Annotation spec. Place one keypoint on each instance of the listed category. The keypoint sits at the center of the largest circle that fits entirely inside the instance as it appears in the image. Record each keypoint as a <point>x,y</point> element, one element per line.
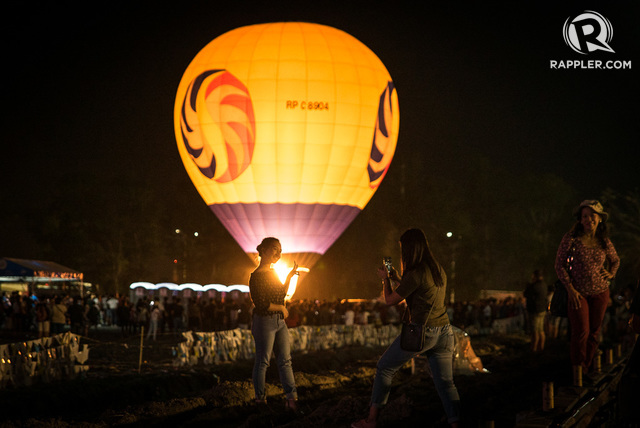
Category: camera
<point>388,264</point>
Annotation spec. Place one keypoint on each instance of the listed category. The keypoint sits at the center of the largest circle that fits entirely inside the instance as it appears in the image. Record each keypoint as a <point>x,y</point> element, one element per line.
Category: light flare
<point>282,270</point>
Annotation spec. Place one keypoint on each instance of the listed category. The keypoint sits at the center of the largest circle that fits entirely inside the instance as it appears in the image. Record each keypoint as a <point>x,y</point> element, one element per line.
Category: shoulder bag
<point>412,334</point>
<point>560,299</point>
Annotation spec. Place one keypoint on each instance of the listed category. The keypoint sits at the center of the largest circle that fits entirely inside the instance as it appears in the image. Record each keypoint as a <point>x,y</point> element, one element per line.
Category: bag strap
<point>572,249</point>
<point>433,304</point>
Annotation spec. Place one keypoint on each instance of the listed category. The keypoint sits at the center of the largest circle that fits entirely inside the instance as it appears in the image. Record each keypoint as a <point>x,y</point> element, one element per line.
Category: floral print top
<point>265,288</point>
<point>586,266</point>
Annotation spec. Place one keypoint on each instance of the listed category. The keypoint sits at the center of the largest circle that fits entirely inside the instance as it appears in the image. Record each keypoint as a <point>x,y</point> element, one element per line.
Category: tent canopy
<point>35,271</point>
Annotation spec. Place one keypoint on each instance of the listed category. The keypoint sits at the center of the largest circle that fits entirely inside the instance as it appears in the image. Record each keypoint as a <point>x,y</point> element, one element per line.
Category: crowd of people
<point>52,315</point>
<point>47,315</point>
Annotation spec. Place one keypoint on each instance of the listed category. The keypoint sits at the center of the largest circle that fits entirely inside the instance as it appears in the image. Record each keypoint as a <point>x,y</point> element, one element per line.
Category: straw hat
<point>595,205</point>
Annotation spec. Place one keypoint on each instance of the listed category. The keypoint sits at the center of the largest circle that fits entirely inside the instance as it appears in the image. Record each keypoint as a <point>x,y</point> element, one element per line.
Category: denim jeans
<point>271,334</point>
<point>439,343</point>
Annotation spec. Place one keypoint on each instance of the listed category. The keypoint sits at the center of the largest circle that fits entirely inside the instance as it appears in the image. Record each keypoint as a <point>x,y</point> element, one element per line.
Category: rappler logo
<point>588,32</point>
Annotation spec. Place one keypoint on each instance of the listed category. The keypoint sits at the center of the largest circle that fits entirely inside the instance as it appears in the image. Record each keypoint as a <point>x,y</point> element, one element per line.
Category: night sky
<point>90,92</point>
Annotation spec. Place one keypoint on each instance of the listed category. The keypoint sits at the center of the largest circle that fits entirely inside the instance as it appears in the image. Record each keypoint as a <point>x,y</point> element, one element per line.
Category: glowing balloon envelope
<point>286,130</point>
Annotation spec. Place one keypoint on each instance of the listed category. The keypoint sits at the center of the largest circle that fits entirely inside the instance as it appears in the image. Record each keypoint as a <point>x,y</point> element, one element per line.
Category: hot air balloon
<point>286,129</point>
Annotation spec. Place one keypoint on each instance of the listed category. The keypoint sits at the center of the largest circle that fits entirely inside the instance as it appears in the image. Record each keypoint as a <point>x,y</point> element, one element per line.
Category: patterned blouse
<point>587,265</point>
<point>265,288</point>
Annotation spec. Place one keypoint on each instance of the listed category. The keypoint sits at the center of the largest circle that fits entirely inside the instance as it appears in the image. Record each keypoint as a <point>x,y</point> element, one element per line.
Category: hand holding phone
<point>388,265</point>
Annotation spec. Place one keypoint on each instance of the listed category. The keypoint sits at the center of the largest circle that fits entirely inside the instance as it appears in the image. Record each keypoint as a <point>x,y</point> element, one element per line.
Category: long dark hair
<point>416,254</point>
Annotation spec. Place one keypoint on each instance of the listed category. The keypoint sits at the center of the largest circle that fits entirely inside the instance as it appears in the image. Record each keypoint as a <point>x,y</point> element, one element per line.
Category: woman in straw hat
<point>585,263</point>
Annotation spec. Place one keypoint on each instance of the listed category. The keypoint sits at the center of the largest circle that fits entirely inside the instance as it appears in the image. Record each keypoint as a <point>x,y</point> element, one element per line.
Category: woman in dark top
<point>423,287</point>
<point>268,328</point>
<point>536,293</point>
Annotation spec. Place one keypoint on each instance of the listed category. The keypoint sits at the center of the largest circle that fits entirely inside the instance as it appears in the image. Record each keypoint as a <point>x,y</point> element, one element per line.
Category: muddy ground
<point>334,388</point>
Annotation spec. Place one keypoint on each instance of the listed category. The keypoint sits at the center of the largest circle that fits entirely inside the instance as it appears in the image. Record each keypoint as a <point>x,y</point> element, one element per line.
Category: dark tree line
<point>120,230</point>
<point>624,208</point>
<point>503,226</point>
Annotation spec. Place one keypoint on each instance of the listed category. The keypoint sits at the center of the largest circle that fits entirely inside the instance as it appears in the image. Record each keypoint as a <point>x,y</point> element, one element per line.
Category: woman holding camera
<point>422,285</point>
<point>269,328</point>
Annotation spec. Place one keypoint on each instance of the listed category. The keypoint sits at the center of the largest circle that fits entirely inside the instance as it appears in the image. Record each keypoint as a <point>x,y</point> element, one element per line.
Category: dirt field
<point>334,388</point>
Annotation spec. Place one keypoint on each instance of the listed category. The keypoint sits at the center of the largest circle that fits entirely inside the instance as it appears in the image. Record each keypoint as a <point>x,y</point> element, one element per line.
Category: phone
<point>388,264</point>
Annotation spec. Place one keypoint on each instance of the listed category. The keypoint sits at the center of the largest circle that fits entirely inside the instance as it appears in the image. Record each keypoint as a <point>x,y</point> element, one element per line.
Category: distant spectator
<point>112,311</point>
<point>208,313</point>
<point>93,315</point>
<point>154,319</point>
<point>294,317</point>
<point>362,316</point>
<point>244,315</point>
<point>77,316</point>
<point>536,295</point>
<point>133,318</point>
<point>58,316</point>
<point>144,314</point>
<point>17,312</point>
<point>232,314</point>
<point>178,314</point>
<point>3,309</point>
<point>43,318</point>
<point>219,318</point>
<point>349,315</point>
<point>393,315</point>
<point>124,314</point>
